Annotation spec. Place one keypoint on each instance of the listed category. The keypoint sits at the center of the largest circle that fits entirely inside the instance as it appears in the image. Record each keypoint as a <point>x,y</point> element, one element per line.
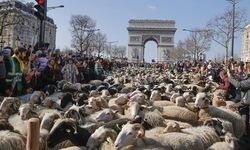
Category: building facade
<point>245,51</point>
<point>25,31</point>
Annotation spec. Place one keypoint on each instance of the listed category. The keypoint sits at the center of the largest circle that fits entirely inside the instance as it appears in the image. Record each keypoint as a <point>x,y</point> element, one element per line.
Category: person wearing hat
<point>15,68</point>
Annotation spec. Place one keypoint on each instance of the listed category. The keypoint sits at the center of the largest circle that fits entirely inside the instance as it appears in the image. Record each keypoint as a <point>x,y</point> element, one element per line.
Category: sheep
<point>69,87</point>
<point>45,127</point>
<point>180,114</point>
<point>49,89</point>
<point>12,141</point>
<point>181,101</point>
<point>207,111</point>
<point>75,148</point>
<point>9,106</point>
<point>163,103</point>
<point>174,96</point>
<point>155,96</point>
<point>229,144</point>
<point>26,112</point>
<point>75,112</point>
<point>99,137</point>
<point>134,135</point>
<point>68,129</point>
<point>5,125</point>
<point>122,99</point>
<point>97,103</point>
<point>18,123</point>
<point>36,97</point>
<point>140,98</point>
<point>220,123</point>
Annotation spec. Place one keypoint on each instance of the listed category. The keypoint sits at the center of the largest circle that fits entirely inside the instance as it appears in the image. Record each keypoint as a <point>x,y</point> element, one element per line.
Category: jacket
<point>244,86</point>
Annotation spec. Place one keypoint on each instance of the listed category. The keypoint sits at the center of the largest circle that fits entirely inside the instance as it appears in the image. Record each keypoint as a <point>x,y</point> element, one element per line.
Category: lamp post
<point>110,46</point>
<point>233,2</point>
<point>195,39</point>
<point>54,7</point>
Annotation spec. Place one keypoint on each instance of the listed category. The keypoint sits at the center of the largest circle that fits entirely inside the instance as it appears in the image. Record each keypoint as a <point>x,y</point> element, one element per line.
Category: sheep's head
<point>26,112</point>
<point>99,136</point>
<point>121,99</point>
<point>75,112</point>
<point>88,109</point>
<point>140,98</point>
<point>62,130</point>
<point>202,100</point>
<point>9,106</point>
<point>94,103</point>
<point>172,127</point>
<point>48,103</point>
<point>128,135</point>
<point>94,93</point>
<point>105,115</point>
<point>48,120</point>
<point>215,123</point>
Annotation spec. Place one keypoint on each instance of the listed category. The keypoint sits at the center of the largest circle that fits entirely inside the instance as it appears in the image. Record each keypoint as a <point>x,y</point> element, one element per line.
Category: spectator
<point>42,60</point>
<point>224,86</point>
<point>51,74</point>
<point>15,69</point>
<point>33,76</point>
<point>244,103</point>
<point>99,69</point>
<point>70,71</point>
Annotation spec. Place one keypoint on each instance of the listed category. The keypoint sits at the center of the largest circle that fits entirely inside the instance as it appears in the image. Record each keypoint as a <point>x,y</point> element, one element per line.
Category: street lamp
<point>233,2</point>
<point>110,46</point>
<point>54,7</point>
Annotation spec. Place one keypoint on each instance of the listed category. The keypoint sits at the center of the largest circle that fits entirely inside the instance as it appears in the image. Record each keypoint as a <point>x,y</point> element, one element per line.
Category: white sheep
<point>12,141</point>
<point>134,135</point>
<point>163,103</point>
<point>229,144</point>
<point>179,114</point>
<point>155,95</point>
<point>207,111</point>
<point>174,96</point>
<point>75,148</point>
<point>100,136</point>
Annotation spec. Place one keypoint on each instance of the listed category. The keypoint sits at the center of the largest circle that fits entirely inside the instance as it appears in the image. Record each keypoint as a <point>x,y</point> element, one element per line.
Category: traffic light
<point>41,9</point>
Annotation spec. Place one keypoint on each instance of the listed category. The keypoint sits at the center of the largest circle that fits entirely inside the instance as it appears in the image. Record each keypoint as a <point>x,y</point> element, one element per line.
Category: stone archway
<point>142,31</point>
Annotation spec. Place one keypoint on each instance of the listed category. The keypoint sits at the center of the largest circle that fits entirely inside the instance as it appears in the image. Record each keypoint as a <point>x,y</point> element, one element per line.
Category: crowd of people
<point>23,71</point>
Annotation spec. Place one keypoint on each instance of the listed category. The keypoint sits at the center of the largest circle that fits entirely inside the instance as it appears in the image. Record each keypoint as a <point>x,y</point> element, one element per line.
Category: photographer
<point>244,103</point>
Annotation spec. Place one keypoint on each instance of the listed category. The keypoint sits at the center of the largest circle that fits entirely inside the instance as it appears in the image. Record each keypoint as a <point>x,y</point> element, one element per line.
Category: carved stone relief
<point>135,39</point>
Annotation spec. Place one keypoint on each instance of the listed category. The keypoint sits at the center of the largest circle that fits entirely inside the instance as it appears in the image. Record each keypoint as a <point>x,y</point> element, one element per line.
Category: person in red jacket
<point>225,85</point>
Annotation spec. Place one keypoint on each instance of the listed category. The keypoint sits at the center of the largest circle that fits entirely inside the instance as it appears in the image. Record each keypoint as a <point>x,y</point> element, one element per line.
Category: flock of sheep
<point>135,108</point>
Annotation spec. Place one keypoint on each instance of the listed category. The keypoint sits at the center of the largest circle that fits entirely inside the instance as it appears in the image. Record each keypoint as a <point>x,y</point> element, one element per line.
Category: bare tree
<point>82,29</point>
<point>198,42</point>
<point>9,16</point>
<point>118,51</point>
<point>99,40</point>
<point>179,52</point>
<point>222,25</point>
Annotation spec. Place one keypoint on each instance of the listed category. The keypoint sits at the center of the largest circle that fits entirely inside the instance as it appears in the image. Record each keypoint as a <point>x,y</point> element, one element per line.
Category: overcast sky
<point>112,18</point>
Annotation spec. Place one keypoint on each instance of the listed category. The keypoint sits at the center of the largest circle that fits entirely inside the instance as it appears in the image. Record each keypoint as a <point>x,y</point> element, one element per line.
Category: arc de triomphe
<point>142,31</point>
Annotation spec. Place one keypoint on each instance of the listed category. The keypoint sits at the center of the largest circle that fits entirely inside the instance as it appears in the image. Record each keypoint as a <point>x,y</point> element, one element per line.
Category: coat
<point>244,86</point>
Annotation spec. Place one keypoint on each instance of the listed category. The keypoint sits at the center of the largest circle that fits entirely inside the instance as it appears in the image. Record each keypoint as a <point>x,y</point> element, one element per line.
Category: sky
<point>112,18</point>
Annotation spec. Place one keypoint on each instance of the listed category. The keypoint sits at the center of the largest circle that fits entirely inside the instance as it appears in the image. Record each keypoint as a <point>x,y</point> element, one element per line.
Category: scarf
<point>20,62</point>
